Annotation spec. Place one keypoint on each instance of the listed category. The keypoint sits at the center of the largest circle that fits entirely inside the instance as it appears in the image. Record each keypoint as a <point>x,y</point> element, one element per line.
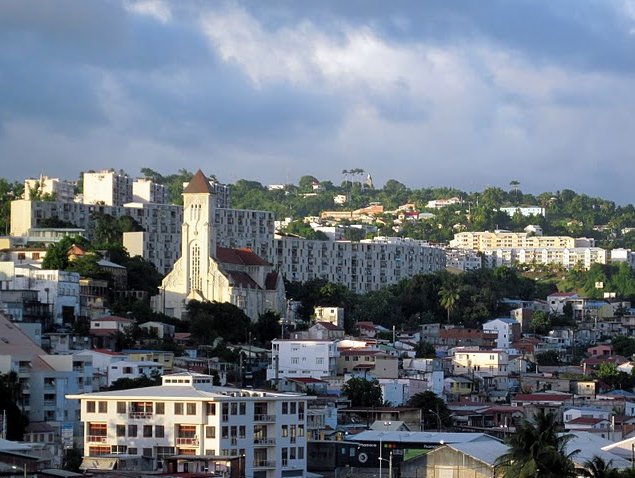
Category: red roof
<point>360,352</point>
<point>328,325</point>
<point>102,332</point>
<point>243,256</point>
<point>107,352</point>
<point>585,421</point>
<point>305,380</point>
<point>243,279</point>
<point>271,282</point>
<point>465,333</point>
<point>198,184</point>
<point>542,397</point>
<point>112,318</point>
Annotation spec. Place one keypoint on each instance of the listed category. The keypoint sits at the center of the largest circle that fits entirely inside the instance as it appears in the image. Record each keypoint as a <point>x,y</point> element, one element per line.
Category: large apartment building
<point>107,187</point>
<point>201,424</point>
<point>59,189</point>
<point>361,266</point>
<point>484,240</point>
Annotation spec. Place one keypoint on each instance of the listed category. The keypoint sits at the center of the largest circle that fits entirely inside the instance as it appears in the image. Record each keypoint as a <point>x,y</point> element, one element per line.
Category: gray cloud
<point>464,94</point>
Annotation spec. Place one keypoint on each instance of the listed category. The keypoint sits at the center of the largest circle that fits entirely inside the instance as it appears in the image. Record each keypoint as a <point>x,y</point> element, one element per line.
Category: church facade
<point>208,272</point>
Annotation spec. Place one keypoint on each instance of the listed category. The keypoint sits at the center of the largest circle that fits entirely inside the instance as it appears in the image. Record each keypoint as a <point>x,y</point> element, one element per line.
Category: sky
<point>465,94</point>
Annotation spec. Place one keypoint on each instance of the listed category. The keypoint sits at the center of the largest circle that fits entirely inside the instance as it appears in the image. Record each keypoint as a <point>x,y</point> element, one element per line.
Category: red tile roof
<point>271,282</point>
<point>198,184</point>
<point>328,325</point>
<point>585,421</point>
<point>242,279</point>
<point>465,333</point>
<point>112,318</point>
<point>305,380</point>
<point>243,256</point>
<point>542,397</point>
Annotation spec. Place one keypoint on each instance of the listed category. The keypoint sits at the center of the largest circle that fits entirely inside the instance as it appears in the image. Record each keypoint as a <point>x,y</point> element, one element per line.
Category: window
<point>210,432</point>
<point>292,409</point>
<point>132,431</point>
<point>292,453</point>
<point>319,360</point>
<point>159,431</point>
<point>191,408</point>
<point>285,430</point>
<point>178,408</point>
<point>211,408</point>
<point>224,432</point>
<point>242,408</point>
<point>234,408</point>
<point>300,430</point>
<point>285,408</point>
<point>242,431</point>
<point>132,451</point>
<point>90,406</point>
<point>159,408</point>
<point>300,453</point>
<point>121,430</point>
<point>147,431</point>
<point>294,360</point>
<point>121,407</point>
<point>103,407</point>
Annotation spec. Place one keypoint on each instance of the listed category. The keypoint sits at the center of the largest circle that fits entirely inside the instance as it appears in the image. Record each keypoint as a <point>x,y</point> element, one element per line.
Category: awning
<point>97,463</point>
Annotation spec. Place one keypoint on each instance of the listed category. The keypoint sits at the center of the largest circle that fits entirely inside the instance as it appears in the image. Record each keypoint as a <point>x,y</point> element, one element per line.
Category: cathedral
<point>207,272</point>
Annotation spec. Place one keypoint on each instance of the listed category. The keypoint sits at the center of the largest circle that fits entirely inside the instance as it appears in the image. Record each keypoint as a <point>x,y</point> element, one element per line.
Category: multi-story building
<point>463,259</point>
<point>501,239</point>
<point>565,257</point>
<point>44,379</point>
<point>525,211</point>
<point>145,190</point>
<point>303,358</point>
<point>188,416</point>
<point>107,187</point>
<point>367,363</point>
<point>361,266</point>
<point>57,189</point>
<point>333,315</point>
<point>508,330</point>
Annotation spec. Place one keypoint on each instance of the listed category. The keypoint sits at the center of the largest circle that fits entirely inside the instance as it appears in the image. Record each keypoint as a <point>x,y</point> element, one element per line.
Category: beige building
<point>107,187</point>
<point>208,272</point>
<point>482,241</point>
<point>62,191</point>
<point>367,363</point>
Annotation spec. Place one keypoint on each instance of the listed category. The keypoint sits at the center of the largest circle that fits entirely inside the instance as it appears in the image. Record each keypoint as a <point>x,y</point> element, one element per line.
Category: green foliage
<point>425,350</point>
<point>548,358</point>
<point>613,377</point>
<point>540,323</point>
<point>72,460</point>
<point>8,192</point>
<point>10,401</point>
<point>139,382</point>
<point>537,451</point>
<point>267,327</point>
<point>623,345</point>
<point>210,320</point>
<point>362,392</point>
<point>434,412</point>
<point>57,253</point>
<point>302,229</point>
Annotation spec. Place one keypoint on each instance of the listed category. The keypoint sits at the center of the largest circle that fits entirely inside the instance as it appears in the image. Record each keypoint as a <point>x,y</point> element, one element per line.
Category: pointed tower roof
<point>198,184</point>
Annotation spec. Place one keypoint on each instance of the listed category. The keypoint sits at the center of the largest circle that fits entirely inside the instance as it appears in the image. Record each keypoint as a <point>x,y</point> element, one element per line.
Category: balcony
<point>193,441</point>
<point>264,464</point>
<point>265,441</point>
<point>264,418</point>
<point>139,415</point>
<point>96,439</point>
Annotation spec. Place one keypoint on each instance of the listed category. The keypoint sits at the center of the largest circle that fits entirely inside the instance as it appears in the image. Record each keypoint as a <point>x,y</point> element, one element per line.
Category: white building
<point>508,330</point>
<point>623,255</point>
<point>44,378</point>
<point>107,187</point>
<point>361,266</point>
<point>132,369</point>
<point>59,290</point>
<point>525,211</point>
<point>502,239</point>
<point>463,259</point>
<point>145,191</point>
<point>303,358</point>
<point>207,271</point>
<point>333,315</point>
<point>439,203</point>
<point>62,191</point>
<point>187,415</point>
<point>565,257</point>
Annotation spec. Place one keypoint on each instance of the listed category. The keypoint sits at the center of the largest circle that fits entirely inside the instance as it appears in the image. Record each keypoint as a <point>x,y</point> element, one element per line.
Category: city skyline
<point>461,95</point>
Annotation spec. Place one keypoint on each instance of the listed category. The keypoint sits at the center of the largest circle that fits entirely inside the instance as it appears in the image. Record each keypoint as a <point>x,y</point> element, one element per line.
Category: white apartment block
<point>144,191</point>
<point>566,257</point>
<point>525,211</point>
<point>63,191</point>
<point>507,329</point>
<point>44,379</point>
<point>623,255</point>
<point>107,187</point>
<point>59,290</point>
<point>303,358</point>
<point>361,266</point>
<point>188,416</point>
<point>132,369</point>
<point>245,228</point>
<point>489,366</point>
<point>332,315</point>
<point>484,240</point>
<point>463,259</point>
<point>439,203</point>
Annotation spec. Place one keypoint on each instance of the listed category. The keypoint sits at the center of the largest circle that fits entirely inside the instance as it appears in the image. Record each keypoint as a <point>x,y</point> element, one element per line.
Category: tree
<point>11,401</point>
<point>362,392</point>
<point>448,300</point>
<point>425,349</point>
<point>210,320</point>
<point>266,328</point>
<point>434,411</point>
<point>540,322</point>
<point>548,358</point>
<point>538,451</point>
<point>596,467</point>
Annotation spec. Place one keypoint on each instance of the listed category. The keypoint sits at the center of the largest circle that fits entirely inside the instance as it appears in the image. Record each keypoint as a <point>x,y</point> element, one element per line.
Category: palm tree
<point>538,451</point>
<point>514,184</point>
<point>448,300</point>
<point>598,468</point>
